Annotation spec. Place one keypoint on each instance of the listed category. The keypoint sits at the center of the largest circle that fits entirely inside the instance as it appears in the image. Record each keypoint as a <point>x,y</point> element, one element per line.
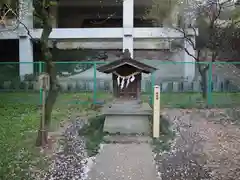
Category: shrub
<point>69,87</point>
<point>30,77</point>
<point>78,86</point>
<point>14,85</point>
<point>6,84</point>
<point>106,86</point>
<point>22,85</point>
<point>30,85</point>
<point>93,132</point>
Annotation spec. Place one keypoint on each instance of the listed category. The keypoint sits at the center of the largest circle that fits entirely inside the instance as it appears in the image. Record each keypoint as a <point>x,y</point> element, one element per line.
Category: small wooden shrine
<point>126,114</point>
<point>126,76</point>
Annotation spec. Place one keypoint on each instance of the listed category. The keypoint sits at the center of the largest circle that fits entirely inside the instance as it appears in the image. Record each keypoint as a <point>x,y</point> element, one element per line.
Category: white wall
<point>189,60</point>
<point>25,44</point>
<point>25,57</point>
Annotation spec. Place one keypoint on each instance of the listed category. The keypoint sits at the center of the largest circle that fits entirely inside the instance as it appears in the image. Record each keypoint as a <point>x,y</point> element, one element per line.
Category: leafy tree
<point>42,12</point>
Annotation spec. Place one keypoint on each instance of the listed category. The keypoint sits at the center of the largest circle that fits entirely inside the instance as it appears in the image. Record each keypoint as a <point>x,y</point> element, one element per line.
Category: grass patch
<point>195,100</point>
<point>19,118</point>
<point>19,122</point>
<point>93,132</point>
<point>163,143</point>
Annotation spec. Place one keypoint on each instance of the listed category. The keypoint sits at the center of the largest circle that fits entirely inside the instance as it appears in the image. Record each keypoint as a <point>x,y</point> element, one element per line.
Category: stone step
<point>129,112</point>
<point>126,139</point>
<point>127,124</point>
<point>124,106</point>
<point>124,109</point>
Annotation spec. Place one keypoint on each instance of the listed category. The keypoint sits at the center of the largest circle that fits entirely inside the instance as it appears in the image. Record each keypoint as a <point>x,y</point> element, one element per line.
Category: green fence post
<point>153,84</point>
<point>209,94</point>
<point>95,84</point>
<point>40,69</point>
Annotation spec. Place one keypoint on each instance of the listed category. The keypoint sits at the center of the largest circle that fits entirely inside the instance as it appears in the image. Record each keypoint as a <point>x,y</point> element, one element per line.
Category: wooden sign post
<point>156,112</point>
<point>44,85</point>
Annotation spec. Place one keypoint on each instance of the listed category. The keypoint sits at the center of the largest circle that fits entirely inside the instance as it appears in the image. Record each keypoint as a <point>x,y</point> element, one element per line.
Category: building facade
<point>106,26</point>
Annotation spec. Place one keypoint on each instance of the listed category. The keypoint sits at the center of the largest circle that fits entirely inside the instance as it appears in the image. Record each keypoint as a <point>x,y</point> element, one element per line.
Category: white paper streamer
<point>122,83</point>
<point>132,78</point>
<point>118,80</point>
<point>121,79</point>
<point>128,81</point>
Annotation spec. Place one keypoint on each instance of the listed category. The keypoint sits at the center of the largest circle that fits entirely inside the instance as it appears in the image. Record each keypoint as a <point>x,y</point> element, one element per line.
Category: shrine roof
<point>126,60</point>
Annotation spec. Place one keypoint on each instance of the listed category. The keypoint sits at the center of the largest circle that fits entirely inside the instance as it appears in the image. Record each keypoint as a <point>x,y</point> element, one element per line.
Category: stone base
<point>126,139</point>
<point>127,124</point>
<point>127,108</point>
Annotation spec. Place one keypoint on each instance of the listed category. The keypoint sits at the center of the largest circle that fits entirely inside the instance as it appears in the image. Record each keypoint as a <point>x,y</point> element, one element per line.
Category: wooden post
<point>44,84</point>
<point>156,112</point>
<point>43,109</point>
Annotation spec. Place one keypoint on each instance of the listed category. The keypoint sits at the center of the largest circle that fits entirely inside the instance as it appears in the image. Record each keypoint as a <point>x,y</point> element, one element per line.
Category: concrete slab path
<point>124,162</point>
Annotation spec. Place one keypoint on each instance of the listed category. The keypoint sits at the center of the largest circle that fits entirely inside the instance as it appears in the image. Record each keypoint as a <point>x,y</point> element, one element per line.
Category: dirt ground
<point>207,146</point>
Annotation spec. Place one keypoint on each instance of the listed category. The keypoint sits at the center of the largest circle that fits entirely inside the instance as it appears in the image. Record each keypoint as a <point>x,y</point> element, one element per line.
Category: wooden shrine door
<point>129,92</point>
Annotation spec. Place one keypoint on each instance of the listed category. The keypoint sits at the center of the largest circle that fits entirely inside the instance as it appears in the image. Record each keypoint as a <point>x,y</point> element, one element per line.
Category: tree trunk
<point>42,138</point>
<point>43,11</point>
<point>204,80</point>
<point>204,85</point>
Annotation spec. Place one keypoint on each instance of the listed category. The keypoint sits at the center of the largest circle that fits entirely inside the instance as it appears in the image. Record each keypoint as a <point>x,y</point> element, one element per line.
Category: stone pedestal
<point>127,124</point>
<point>127,117</point>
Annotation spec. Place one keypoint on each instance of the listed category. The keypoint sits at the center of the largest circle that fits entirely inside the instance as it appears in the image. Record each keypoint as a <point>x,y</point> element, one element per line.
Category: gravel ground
<point>182,162</point>
<point>203,149</point>
<point>70,161</point>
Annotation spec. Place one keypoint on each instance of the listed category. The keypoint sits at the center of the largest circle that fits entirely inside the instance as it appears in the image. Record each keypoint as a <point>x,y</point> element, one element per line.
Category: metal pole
<point>40,89</point>
<point>209,94</point>
<point>95,84</point>
<point>153,84</point>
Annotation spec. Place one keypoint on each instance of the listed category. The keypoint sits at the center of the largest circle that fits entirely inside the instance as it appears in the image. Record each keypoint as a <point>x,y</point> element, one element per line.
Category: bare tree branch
<point>17,19</point>
<point>214,37</point>
<point>4,18</point>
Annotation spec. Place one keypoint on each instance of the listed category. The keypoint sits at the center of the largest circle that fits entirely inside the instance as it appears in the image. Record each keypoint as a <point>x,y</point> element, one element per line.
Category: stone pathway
<point>131,159</point>
<point>128,161</point>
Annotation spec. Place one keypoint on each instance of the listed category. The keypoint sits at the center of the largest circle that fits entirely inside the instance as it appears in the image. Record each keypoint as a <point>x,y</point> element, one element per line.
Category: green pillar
<point>153,84</point>
<point>95,84</point>
<point>209,93</point>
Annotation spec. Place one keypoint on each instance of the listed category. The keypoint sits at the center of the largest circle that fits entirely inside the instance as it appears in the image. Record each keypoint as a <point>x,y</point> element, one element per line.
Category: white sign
<point>44,81</point>
<point>156,112</point>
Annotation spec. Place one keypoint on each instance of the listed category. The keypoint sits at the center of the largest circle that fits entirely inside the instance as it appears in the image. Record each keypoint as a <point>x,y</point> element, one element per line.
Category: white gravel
<point>71,161</point>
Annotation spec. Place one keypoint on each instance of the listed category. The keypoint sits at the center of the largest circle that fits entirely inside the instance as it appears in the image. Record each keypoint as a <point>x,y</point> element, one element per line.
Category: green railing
<point>85,85</point>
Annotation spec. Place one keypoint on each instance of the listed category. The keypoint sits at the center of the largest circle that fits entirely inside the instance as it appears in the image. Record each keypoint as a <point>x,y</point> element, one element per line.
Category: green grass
<point>195,100</point>
<point>93,133</point>
<point>163,143</point>
<point>19,118</point>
